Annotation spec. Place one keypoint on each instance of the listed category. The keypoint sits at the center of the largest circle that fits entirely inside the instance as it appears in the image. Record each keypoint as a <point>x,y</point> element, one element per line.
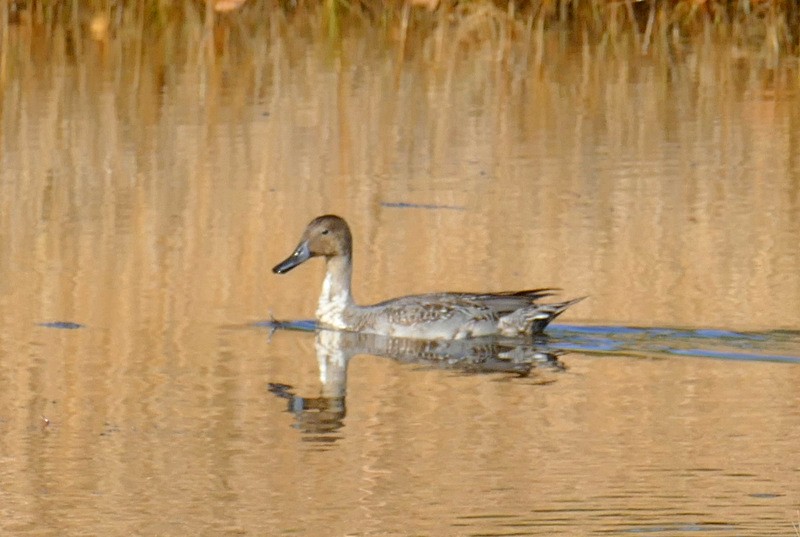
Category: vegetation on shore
<point>760,36</point>
<point>770,27</point>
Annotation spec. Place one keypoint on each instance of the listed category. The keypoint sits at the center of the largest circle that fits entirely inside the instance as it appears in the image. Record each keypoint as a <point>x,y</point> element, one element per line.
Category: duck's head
<point>326,236</point>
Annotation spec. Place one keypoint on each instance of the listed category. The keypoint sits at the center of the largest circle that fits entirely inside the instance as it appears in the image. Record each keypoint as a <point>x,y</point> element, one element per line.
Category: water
<point>143,390</point>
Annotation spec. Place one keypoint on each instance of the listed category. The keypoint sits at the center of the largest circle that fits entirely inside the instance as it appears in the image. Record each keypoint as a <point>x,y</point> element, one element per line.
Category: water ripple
<point>772,346</point>
<point>781,346</point>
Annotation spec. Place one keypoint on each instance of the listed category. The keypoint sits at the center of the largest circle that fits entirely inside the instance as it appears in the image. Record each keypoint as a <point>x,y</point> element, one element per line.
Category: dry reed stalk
<point>796,527</point>
<point>764,33</point>
<point>4,8</point>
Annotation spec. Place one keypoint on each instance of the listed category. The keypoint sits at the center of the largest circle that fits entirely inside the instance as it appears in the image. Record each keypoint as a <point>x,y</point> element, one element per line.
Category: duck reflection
<point>321,417</point>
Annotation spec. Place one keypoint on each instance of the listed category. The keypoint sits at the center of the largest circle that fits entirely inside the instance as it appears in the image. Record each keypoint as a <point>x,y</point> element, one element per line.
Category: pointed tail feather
<point>533,320</point>
<point>548,312</point>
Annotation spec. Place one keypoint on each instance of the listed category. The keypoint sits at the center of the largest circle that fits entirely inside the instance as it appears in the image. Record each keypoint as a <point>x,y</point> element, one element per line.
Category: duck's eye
<point>325,231</point>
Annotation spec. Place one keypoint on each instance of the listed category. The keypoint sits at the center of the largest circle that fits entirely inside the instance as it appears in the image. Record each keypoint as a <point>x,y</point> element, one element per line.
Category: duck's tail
<point>533,320</point>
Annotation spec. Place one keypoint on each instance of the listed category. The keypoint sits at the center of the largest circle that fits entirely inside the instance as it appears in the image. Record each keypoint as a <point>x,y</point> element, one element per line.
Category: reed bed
<point>731,43</point>
<point>763,31</point>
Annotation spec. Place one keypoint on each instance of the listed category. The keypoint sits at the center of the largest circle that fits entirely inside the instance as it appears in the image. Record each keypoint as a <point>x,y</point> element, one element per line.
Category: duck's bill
<point>300,254</point>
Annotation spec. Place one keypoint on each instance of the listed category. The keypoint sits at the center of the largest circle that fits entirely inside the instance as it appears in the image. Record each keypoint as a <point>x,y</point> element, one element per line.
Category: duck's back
<point>442,315</point>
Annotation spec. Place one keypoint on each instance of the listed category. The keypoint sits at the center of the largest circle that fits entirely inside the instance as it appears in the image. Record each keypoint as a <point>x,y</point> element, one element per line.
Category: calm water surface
<point>142,391</point>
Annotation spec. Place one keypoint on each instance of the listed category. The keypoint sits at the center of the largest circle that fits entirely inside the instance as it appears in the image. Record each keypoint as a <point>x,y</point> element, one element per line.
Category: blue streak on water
<point>738,356</point>
<point>699,527</point>
<point>61,325</point>
<point>783,346</point>
<point>652,332</point>
<point>406,205</point>
<point>302,325</point>
<point>778,346</point>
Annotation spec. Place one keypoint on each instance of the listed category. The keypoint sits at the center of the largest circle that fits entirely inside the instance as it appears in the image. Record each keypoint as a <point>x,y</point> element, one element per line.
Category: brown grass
<point>758,26</point>
<point>759,35</point>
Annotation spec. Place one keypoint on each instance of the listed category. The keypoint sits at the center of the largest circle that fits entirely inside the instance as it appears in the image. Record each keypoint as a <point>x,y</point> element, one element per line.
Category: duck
<point>430,316</point>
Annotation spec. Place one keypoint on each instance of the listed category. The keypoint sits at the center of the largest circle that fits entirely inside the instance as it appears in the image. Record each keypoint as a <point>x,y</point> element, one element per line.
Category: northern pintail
<point>430,316</point>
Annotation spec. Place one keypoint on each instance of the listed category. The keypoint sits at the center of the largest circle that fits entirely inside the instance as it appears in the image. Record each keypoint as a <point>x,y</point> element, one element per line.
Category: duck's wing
<point>501,303</point>
<point>430,307</point>
<point>419,310</point>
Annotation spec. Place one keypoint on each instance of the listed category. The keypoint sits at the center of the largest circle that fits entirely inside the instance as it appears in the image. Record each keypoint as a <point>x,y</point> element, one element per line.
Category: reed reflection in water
<point>146,203</point>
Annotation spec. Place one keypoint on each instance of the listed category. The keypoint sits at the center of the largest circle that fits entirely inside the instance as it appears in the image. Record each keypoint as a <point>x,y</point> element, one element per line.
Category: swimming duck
<point>430,316</point>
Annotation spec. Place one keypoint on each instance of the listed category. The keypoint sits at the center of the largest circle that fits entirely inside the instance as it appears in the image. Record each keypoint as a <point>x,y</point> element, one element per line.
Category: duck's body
<point>430,316</point>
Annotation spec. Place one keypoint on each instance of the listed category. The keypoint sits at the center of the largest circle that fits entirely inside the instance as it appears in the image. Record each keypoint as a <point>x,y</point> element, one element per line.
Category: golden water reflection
<point>666,206</point>
<point>148,205</point>
<point>194,442</point>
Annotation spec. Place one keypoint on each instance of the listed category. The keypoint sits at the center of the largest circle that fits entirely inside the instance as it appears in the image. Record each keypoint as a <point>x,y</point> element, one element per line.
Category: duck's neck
<point>336,296</point>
